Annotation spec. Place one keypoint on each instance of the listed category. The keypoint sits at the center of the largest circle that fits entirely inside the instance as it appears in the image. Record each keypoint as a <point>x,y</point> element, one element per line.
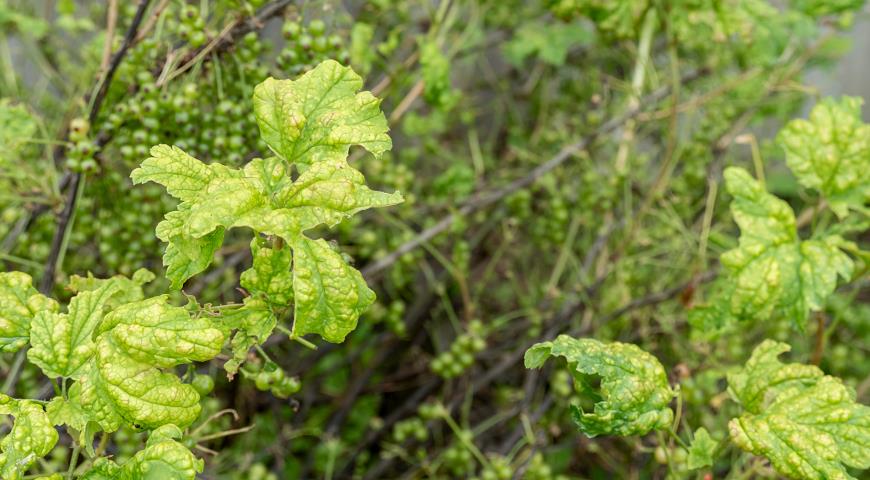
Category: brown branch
<point>48,278</point>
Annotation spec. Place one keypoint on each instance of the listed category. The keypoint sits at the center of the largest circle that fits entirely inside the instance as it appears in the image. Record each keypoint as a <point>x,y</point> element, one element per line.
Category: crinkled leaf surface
<point>330,294</point>
<point>32,437</point>
<point>270,274</point>
<point>830,152</point>
<point>261,196</point>
<point>19,303</point>
<point>123,381</point>
<point>253,323</point>
<point>319,115</point>
<point>806,423</point>
<point>772,271</point>
<point>129,289</point>
<point>163,458</point>
<point>61,342</point>
<point>634,388</point>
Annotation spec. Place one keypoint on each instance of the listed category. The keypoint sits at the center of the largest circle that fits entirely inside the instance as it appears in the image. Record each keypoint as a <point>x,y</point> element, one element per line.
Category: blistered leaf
<point>183,176</point>
<point>634,388</point>
<point>163,458</point>
<point>319,115</point>
<point>330,294</point>
<point>771,271</point>
<point>19,302</point>
<point>125,383</point>
<point>61,342</point>
<point>270,274</point>
<point>129,289</point>
<point>702,450</point>
<point>152,331</point>
<point>261,197</point>
<point>32,437</point>
<point>830,152</point>
<point>806,423</point>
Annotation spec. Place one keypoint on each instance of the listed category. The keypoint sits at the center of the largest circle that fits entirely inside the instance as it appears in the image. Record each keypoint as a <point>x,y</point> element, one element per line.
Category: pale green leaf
<point>702,450</point>
<point>319,115</point>
<point>183,176</point>
<point>830,152</point>
<point>163,458</point>
<point>771,272</point>
<point>270,274</point>
<point>330,294</point>
<point>61,342</point>
<point>32,437</point>
<point>19,303</point>
<point>130,289</point>
<point>125,383</point>
<point>634,391</point>
<point>806,423</point>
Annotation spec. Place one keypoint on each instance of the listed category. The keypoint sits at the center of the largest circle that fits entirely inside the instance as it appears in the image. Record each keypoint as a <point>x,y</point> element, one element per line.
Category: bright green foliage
<point>319,116</point>
<point>163,458</point>
<point>548,41</point>
<point>772,271</point>
<point>806,423</point>
<point>362,55</point>
<point>830,152</point>
<point>19,302</point>
<point>702,450</point>
<point>32,437</point>
<point>253,323</point>
<point>634,387</point>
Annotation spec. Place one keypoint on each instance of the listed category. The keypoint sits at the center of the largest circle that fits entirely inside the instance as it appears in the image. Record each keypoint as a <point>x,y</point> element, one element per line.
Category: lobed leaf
<point>634,387</point>
<point>319,116</point>
<point>806,423</point>
<point>32,436</point>
<point>830,152</point>
<point>19,303</point>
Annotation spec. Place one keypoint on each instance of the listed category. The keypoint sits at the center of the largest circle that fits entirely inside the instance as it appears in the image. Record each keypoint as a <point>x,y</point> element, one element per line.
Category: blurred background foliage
<point>561,162</point>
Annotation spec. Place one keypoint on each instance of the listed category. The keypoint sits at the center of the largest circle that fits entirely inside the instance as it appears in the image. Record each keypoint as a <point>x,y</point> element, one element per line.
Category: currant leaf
<point>772,271</point>
<point>320,115</point>
<point>19,303</point>
<point>830,152</point>
<point>163,457</point>
<point>806,423</point>
<point>634,388</point>
<point>32,437</point>
<point>330,294</point>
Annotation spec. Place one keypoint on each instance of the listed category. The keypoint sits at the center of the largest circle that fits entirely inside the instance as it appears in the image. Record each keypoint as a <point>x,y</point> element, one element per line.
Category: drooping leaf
<point>330,294</point>
<point>634,388</point>
<point>32,437</point>
<point>806,423</point>
<point>319,115</point>
<point>830,152</point>
<point>702,450</point>
<point>19,303</point>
